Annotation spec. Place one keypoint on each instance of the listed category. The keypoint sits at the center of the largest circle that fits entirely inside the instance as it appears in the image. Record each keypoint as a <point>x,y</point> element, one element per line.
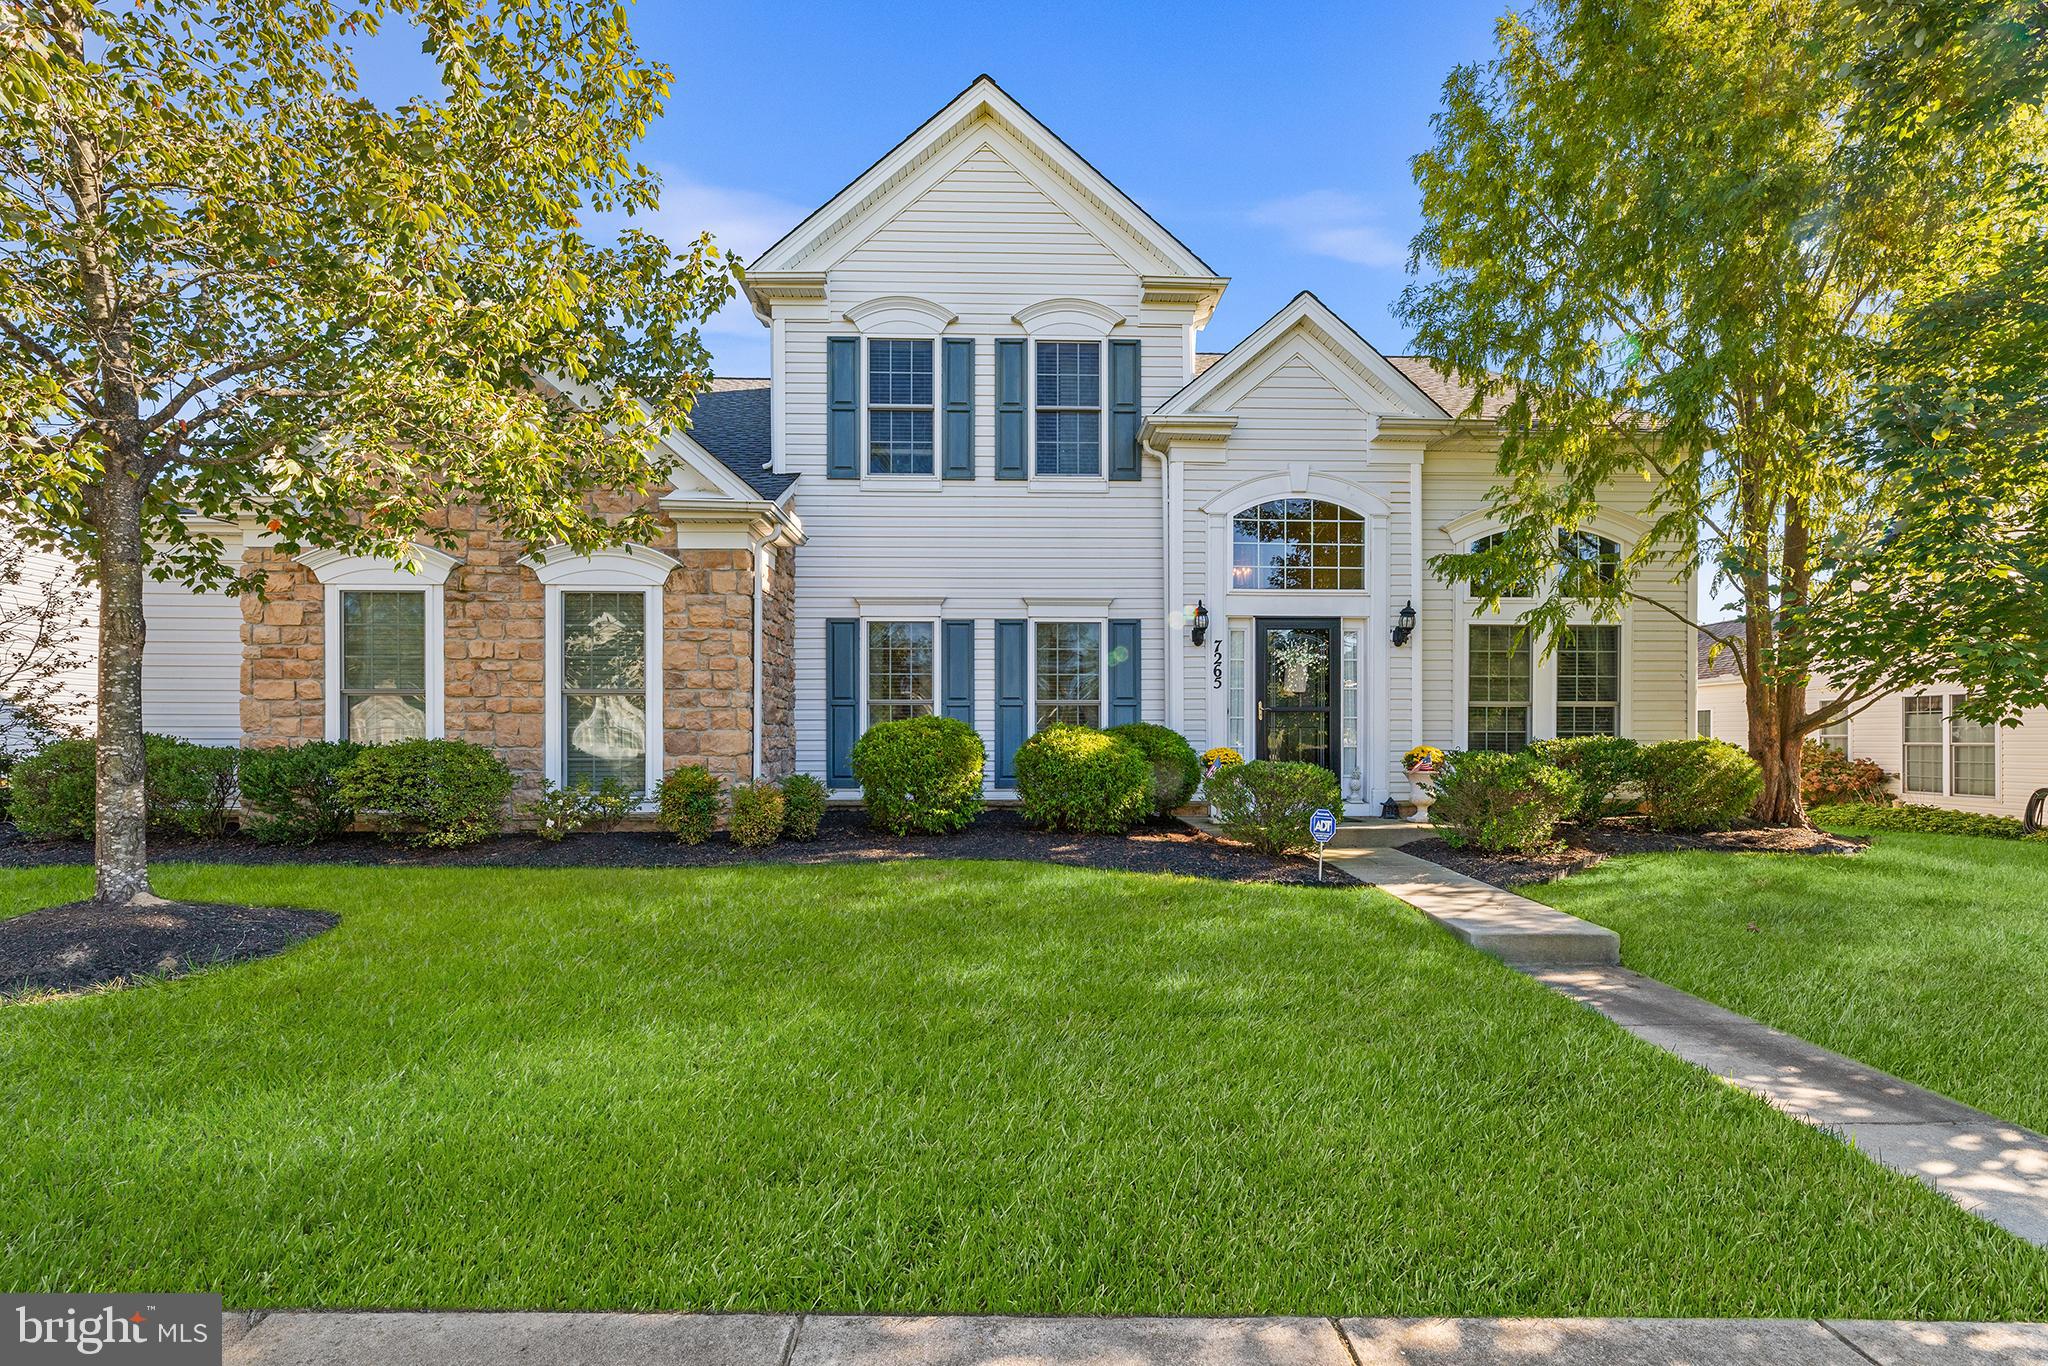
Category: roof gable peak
<point>1304,319</point>
<point>984,107</point>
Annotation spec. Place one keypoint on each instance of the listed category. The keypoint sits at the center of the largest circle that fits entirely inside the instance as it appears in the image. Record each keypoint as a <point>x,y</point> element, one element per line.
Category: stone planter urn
<point>1421,792</point>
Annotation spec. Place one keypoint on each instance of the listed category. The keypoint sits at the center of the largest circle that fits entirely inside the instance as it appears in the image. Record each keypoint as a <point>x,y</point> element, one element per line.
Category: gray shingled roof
<point>1723,664</point>
<point>1423,373</point>
<point>731,421</point>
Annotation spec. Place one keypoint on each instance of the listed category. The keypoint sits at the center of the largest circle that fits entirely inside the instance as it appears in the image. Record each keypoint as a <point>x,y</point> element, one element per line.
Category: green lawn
<point>1926,956</point>
<point>935,1086</point>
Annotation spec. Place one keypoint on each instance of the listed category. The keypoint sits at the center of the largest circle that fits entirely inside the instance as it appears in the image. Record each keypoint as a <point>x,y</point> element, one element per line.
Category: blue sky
<point>1273,142</point>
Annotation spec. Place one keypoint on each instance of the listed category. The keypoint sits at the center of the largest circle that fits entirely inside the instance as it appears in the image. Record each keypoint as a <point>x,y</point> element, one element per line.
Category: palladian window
<point>1297,543</point>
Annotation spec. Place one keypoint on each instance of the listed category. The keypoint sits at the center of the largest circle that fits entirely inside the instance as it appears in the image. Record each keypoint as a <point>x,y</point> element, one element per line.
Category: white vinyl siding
<point>983,241</point>
<point>192,660</point>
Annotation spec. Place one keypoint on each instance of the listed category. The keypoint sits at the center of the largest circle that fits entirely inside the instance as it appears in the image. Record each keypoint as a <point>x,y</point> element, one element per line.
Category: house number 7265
<point>1216,667</point>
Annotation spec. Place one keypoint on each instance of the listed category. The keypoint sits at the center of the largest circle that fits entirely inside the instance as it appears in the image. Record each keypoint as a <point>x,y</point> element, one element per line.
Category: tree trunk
<point>1775,711</point>
<point>121,815</point>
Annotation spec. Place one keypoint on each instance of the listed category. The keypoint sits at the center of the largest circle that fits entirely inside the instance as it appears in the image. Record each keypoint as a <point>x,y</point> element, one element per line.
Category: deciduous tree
<point>1782,260</point>
<point>230,280</point>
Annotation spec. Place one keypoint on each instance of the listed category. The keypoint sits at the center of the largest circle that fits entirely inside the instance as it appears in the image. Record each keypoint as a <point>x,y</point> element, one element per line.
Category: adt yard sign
<point>1322,828</point>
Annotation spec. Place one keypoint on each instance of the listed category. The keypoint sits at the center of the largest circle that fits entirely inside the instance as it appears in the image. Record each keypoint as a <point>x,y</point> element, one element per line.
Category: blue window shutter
<point>842,699</point>
<point>1124,671</point>
<point>959,431</point>
<point>958,692</point>
<point>1010,408</point>
<point>1013,665</point>
<point>1125,409</point>
<point>842,388</point>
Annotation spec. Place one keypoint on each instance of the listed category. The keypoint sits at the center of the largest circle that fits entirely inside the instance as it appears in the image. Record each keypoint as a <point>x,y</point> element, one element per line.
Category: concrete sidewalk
<point>299,1338</point>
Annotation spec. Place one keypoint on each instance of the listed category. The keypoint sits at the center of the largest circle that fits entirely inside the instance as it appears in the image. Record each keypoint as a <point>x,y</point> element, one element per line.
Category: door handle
<point>1262,711</point>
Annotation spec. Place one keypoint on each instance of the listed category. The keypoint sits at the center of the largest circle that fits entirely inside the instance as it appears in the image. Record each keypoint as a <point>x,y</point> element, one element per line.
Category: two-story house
<point>993,477</point>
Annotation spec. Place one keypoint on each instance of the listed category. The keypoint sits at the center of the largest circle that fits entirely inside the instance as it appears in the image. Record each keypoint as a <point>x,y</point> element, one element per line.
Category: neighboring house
<point>72,688</point>
<point>1937,758</point>
<point>992,477</point>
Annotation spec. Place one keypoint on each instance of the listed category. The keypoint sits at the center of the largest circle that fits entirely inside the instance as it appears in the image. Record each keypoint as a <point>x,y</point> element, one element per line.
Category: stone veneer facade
<point>494,645</point>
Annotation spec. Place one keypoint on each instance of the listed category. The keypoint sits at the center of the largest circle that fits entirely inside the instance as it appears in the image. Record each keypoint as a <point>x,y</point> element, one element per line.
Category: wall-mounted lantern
<point>1201,622</point>
<point>1404,625</point>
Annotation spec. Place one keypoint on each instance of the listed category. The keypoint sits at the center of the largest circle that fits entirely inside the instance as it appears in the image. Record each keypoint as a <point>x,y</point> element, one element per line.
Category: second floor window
<point>1069,408</point>
<point>899,407</point>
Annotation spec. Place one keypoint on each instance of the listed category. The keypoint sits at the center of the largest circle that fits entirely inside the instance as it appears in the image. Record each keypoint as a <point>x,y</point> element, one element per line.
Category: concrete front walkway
<point>1997,1171</point>
<point>295,1338</point>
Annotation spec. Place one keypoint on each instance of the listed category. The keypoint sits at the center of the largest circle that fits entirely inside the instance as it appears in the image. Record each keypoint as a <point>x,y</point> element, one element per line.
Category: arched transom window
<point>1298,543</point>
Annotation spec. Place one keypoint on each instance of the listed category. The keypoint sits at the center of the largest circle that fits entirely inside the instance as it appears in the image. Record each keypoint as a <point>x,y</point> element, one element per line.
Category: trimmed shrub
<point>1175,769</point>
<point>190,785</point>
<point>1080,778</point>
<point>7,763</point>
<point>756,820</point>
<point>1828,777</point>
<point>920,774</point>
<point>53,791</point>
<point>291,794</point>
<point>563,811</point>
<point>803,806</point>
<point>1603,765</point>
<point>1928,820</point>
<point>1267,804</point>
<point>188,788</point>
<point>1699,784</point>
<point>438,794</point>
<point>1503,803</point>
<point>687,802</point>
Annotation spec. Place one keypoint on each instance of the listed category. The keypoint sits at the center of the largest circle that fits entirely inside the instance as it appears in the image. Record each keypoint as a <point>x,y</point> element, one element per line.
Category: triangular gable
<point>984,110</point>
<point>1306,329</point>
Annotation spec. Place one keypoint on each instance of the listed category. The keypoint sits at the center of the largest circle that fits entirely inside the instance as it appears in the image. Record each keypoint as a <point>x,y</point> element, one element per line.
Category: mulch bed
<point>84,945</point>
<point>1588,846</point>
<point>844,837</point>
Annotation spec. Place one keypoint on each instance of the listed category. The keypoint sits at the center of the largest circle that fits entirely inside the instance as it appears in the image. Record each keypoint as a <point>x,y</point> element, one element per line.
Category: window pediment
<point>1078,319</point>
<point>900,314</point>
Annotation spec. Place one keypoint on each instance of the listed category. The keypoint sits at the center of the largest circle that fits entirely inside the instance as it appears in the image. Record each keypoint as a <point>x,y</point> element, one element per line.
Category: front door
<point>1297,690</point>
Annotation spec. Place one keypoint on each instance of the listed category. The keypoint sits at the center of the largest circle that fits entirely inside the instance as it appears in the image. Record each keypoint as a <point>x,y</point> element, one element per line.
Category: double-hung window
<point>1946,751</point>
<point>1498,663</point>
<point>1973,756</point>
<point>604,688</point>
<point>902,669</point>
<point>1069,408</point>
<point>1835,735</point>
<point>1067,673</point>
<point>383,665</point>
<point>899,407</point>
<point>1923,744</point>
<point>1589,681</point>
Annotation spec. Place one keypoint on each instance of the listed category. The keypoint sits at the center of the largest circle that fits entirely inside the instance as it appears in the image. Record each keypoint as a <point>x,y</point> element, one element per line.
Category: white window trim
<point>867,620</point>
<point>339,573</point>
<point>1049,615</point>
<point>1948,753</point>
<point>934,481</point>
<point>633,568</point>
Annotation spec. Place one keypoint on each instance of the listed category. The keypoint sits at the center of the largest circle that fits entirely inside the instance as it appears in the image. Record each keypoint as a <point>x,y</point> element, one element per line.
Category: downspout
<point>763,567</point>
<point>1415,710</point>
